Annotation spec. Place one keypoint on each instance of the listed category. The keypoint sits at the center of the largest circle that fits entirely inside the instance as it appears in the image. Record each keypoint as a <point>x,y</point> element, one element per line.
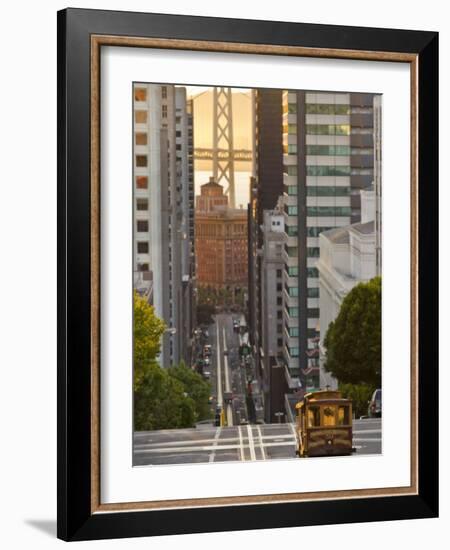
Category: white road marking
<point>241,446</point>
<point>227,379</point>
<point>261,444</point>
<point>219,371</point>
<point>216,448</point>
<point>251,443</point>
<point>216,438</point>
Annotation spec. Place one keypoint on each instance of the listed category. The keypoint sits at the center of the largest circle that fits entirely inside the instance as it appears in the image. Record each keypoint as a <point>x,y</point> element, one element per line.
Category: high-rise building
<point>265,188</point>
<point>184,147</point>
<point>161,211</point>
<point>273,372</point>
<point>328,159</point>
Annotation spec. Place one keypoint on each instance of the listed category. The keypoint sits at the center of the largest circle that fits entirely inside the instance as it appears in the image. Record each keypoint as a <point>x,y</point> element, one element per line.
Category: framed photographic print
<point>247,253</point>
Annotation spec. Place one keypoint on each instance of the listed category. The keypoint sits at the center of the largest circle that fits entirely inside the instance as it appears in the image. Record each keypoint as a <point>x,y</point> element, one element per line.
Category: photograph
<point>257,274</point>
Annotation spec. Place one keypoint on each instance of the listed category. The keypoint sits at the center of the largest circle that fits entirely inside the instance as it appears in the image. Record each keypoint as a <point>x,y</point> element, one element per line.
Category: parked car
<point>374,410</point>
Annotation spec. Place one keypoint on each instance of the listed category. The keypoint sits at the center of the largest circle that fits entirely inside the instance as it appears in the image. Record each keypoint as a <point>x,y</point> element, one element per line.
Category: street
<point>238,438</point>
<point>238,443</point>
<point>227,376</point>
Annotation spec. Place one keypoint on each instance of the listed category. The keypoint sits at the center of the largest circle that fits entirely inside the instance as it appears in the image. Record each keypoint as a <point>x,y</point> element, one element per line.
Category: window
<point>329,415</point>
<point>290,149</point>
<point>141,161</point>
<point>328,170</point>
<point>292,311</point>
<point>164,111</point>
<point>312,272</point>
<point>141,182</point>
<point>279,287</point>
<point>313,292</point>
<point>292,271</point>
<point>143,267</point>
<point>291,251</point>
<point>327,191</point>
<point>290,170</point>
<point>279,273</point>
<point>279,342</point>
<point>313,313</point>
<point>293,352</point>
<point>142,226</point>
<point>293,291</point>
<point>313,416</point>
<point>343,416</point>
<point>164,92</point>
<point>329,150</point>
<point>329,211</point>
<point>141,138</point>
<point>328,129</point>
<point>313,252</point>
<point>279,301</point>
<point>140,117</point>
<point>327,109</point>
<point>141,204</point>
<point>140,94</point>
<point>292,230</point>
<point>142,247</point>
<point>291,210</point>
<point>279,314</point>
<point>293,332</point>
<point>316,231</point>
<point>291,190</point>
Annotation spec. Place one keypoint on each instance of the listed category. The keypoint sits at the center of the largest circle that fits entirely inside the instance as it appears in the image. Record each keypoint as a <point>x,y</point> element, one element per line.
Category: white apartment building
<point>347,258</point>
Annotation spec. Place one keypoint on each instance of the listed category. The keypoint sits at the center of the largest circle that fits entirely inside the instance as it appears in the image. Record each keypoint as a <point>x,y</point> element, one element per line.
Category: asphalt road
<point>227,376</point>
<point>239,443</point>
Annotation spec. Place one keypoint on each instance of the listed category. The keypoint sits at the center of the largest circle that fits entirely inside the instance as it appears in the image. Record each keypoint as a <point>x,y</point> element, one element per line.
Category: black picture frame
<point>75,518</point>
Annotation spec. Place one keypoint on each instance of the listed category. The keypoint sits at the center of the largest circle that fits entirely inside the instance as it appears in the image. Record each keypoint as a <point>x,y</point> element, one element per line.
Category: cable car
<point>324,424</point>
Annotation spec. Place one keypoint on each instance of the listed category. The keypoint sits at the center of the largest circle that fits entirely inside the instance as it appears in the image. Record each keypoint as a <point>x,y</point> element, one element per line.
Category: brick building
<point>220,240</point>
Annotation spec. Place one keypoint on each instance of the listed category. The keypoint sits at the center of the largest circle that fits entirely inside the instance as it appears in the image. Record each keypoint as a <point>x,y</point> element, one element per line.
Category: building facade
<point>271,255</point>
<point>162,181</point>
<point>328,159</point>
<point>265,189</point>
<point>347,258</point>
<point>220,241</point>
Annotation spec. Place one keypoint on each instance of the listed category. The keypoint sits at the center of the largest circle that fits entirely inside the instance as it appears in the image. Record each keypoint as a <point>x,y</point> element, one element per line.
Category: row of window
<point>328,211</point>
<point>320,129</point>
<point>140,94</point>
<point>310,292</point>
<point>311,272</point>
<point>316,231</point>
<point>320,109</point>
<point>328,150</point>
<point>294,332</point>
<point>327,191</point>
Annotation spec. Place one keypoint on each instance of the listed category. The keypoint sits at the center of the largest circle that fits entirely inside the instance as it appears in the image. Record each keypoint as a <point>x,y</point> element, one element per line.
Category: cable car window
<point>344,416</point>
<point>329,415</point>
<point>313,417</point>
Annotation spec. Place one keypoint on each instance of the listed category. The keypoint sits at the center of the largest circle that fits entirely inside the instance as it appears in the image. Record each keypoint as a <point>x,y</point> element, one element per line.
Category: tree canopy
<point>163,398</point>
<point>353,340</point>
<point>148,329</point>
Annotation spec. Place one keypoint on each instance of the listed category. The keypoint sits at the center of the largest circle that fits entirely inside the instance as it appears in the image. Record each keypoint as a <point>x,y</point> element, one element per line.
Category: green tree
<point>353,340</point>
<point>161,402</point>
<point>360,395</point>
<point>148,329</point>
<point>195,387</point>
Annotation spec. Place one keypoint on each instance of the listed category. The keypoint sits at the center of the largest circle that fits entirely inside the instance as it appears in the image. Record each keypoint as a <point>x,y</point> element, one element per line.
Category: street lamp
<point>279,415</point>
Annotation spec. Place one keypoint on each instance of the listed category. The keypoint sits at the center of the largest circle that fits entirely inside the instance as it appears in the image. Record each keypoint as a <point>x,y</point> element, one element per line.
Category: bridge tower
<point>223,154</point>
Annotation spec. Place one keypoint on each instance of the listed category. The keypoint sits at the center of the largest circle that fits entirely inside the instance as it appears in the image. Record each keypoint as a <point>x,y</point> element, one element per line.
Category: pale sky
<point>195,90</point>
